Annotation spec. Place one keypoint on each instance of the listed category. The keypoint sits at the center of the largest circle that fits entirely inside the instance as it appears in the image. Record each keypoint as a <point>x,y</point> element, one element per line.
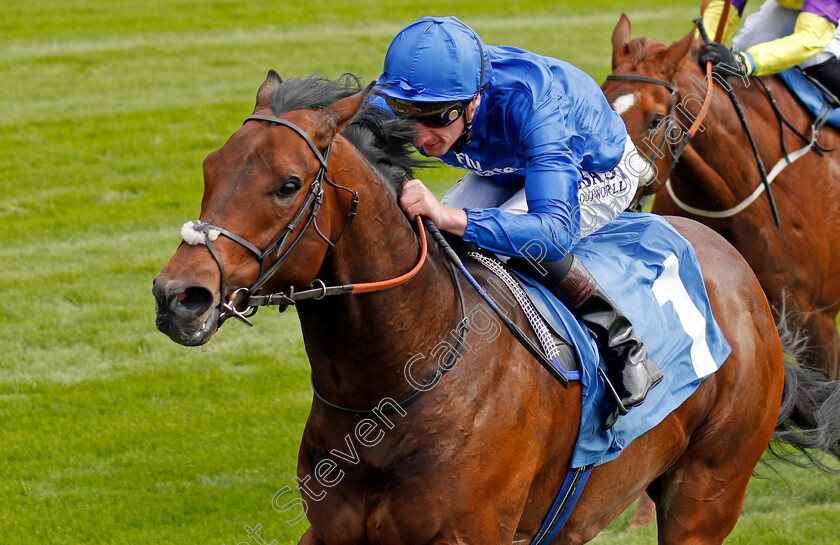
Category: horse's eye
<point>289,188</point>
<point>655,120</point>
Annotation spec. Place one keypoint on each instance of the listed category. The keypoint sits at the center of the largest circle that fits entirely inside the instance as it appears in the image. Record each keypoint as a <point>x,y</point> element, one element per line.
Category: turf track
<point>110,433</point>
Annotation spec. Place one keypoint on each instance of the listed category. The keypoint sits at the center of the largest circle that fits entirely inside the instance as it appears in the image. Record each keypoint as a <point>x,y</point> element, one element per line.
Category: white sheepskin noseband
<point>193,236</point>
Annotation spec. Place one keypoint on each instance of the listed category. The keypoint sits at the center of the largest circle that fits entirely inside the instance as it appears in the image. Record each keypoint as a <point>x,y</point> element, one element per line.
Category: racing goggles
<point>431,114</point>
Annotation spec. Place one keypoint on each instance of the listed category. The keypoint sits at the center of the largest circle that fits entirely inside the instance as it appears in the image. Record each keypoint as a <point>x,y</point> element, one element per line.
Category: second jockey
<point>779,35</point>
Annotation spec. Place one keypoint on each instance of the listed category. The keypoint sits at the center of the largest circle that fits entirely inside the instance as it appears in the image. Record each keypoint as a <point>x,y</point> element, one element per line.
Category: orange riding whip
<point>698,121</point>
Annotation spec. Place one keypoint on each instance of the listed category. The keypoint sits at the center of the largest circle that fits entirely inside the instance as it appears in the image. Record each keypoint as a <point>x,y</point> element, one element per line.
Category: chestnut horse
<point>799,261</point>
<point>475,455</point>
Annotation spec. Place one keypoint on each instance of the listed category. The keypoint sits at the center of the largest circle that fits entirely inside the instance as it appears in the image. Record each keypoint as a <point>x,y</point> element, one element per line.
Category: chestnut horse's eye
<point>655,120</point>
<point>288,188</point>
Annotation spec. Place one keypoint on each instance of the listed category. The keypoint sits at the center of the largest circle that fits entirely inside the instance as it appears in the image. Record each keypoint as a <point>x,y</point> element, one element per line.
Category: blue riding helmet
<point>435,59</point>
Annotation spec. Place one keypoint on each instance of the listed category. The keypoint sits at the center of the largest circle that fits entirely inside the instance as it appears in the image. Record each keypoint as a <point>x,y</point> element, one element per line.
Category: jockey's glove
<point>726,62</point>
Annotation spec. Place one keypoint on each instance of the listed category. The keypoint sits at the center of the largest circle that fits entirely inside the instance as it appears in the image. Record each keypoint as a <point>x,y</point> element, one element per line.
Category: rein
<point>320,290</point>
<point>205,233</point>
<point>788,158</point>
<point>676,150</point>
<point>740,111</point>
<point>669,118</point>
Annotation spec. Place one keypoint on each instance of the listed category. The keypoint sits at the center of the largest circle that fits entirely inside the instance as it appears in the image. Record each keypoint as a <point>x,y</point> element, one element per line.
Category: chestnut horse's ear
<point>676,52</point>
<point>265,95</point>
<point>620,37</point>
<point>337,116</point>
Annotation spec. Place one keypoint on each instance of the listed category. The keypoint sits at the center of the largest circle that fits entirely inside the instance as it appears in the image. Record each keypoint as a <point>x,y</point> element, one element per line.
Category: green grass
<point>109,432</point>
<point>784,506</point>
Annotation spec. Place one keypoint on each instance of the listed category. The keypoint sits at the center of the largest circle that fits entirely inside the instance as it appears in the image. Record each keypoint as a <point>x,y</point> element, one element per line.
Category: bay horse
<point>797,263</point>
<point>475,455</point>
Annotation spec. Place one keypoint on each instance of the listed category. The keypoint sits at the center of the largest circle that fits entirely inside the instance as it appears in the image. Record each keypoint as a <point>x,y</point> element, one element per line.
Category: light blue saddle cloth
<point>809,95</point>
<point>653,275</point>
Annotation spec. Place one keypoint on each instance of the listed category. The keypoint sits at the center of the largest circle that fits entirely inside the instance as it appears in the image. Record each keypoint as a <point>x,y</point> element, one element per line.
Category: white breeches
<point>602,196</point>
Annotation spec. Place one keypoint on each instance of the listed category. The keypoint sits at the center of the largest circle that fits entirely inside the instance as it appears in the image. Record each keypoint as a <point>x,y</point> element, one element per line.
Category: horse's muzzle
<point>186,314</point>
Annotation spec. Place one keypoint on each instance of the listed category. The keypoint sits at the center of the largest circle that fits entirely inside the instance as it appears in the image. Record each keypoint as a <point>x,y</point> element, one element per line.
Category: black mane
<point>384,140</point>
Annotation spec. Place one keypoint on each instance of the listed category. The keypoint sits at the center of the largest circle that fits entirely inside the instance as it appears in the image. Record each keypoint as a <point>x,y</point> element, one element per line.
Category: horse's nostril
<point>195,301</point>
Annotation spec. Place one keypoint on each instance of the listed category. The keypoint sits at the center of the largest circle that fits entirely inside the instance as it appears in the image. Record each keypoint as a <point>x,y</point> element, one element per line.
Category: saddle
<point>555,346</point>
<point>814,96</point>
<point>829,98</point>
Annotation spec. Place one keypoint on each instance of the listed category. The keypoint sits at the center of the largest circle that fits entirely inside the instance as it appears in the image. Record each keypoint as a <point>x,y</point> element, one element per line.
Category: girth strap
<point>563,505</point>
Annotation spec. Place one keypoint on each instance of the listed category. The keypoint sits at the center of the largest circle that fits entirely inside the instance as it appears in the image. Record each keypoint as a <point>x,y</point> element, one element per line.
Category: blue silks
<point>652,274</point>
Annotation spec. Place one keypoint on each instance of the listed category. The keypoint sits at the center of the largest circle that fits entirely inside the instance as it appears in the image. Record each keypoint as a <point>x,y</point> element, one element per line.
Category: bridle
<point>675,149</point>
<point>244,302</point>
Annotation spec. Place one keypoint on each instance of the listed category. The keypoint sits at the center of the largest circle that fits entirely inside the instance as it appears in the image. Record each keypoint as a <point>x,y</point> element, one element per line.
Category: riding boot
<point>629,368</point>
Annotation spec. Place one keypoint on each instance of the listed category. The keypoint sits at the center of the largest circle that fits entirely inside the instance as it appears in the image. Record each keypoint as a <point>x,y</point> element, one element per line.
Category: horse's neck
<point>358,345</point>
<point>704,179</point>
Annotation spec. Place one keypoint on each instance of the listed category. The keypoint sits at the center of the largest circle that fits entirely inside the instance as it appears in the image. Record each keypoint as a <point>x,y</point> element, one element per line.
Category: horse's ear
<point>342,112</point>
<point>265,95</point>
<point>620,37</point>
<point>677,51</point>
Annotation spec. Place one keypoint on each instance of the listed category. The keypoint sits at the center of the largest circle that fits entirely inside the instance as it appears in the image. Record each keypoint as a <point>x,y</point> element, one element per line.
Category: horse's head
<point>266,198</point>
<point>642,88</point>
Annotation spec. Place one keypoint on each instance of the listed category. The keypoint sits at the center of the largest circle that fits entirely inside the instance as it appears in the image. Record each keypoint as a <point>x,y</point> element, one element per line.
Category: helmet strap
<point>465,138</point>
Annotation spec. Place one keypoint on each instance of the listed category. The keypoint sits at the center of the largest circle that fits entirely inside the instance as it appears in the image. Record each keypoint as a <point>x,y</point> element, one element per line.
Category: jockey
<point>547,157</point>
<point>779,35</point>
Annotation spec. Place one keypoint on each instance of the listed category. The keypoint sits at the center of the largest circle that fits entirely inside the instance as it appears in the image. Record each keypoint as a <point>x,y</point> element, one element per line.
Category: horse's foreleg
<point>309,538</point>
